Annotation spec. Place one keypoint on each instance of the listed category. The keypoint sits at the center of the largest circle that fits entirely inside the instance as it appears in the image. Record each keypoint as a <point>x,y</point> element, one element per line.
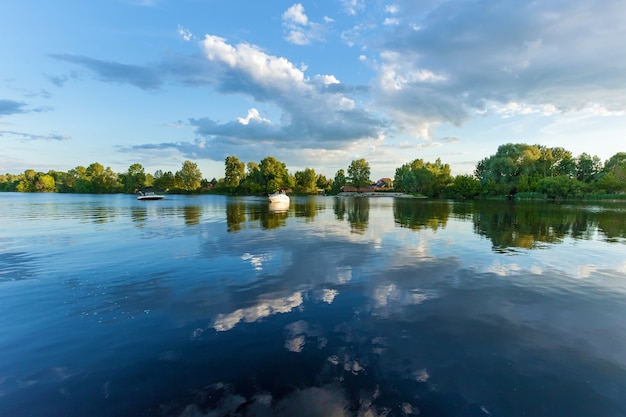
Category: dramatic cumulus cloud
<point>314,112</point>
<point>446,61</point>
<point>434,62</point>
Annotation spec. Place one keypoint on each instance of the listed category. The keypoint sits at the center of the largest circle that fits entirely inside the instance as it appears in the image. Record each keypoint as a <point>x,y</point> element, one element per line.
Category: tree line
<point>97,179</point>
<point>528,171</point>
<point>271,174</point>
<point>516,170</point>
<point>520,171</point>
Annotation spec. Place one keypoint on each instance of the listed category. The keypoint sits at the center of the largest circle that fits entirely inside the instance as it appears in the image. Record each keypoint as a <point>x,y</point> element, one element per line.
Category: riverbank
<point>378,194</point>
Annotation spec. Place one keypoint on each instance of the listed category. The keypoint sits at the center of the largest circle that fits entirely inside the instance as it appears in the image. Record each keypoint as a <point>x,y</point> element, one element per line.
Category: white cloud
<point>185,33</point>
<point>391,8</point>
<point>320,116</point>
<point>391,21</point>
<point>295,14</point>
<point>264,69</point>
<point>327,79</point>
<point>515,109</point>
<point>409,95</point>
<point>352,7</point>
<point>253,114</point>
<point>541,58</point>
<point>297,37</point>
<point>299,30</point>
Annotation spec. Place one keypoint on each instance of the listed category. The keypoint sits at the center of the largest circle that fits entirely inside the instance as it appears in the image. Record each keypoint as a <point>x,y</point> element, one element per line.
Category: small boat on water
<point>149,196</point>
<point>279,197</point>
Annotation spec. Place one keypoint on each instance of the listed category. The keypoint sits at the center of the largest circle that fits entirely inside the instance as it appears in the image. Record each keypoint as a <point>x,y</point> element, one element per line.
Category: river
<point>224,306</point>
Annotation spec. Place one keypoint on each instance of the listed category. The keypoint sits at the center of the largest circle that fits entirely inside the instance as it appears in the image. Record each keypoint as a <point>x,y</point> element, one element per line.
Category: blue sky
<point>313,83</point>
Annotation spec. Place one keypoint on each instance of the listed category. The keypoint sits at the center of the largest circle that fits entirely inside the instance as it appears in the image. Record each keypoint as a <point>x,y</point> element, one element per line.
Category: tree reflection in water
<point>419,214</point>
<point>244,213</point>
<point>527,225</point>
<point>357,210</point>
<point>516,225</point>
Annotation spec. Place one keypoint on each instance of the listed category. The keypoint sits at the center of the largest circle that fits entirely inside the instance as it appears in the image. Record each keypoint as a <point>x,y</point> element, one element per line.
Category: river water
<point>221,306</point>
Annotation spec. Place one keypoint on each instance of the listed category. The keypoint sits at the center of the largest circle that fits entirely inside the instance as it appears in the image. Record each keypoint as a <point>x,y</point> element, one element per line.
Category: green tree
<point>273,175</point>
<point>164,180</point>
<point>516,164</point>
<point>45,183</point>
<point>8,182</point>
<point>26,182</point>
<point>359,173</point>
<point>234,172</point>
<point>95,175</point>
<point>306,181</point>
<point>441,176</point>
<point>617,166</point>
<point>559,187</point>
<point>111,181</point>
<point>134,179</point>
<point>339,181</point>
<point>252,183</point>
<point>465,186</point>
<point>588,167</point>
<point>404,179</point>
<point>60,181</point>
<point>101,179</point>
<point>77,180</point>
<point>609,184</point>
<point>189,177</point>
<point>323,183</point>
<point>428,178</point>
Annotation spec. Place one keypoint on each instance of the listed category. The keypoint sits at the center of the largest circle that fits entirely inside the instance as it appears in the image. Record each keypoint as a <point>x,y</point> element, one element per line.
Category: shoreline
<point>375,194</point>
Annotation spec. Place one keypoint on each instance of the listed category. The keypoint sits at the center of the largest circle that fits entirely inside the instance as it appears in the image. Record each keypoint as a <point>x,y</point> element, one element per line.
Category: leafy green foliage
<point>339,181</point>
<point>465,187</point>
<point>516,170</point>
<point>189,176</point>
<point>234,172</point>
<point>427,178</point>
<point>306,181</point>
<point>134,179</point>
<point>359,173</point>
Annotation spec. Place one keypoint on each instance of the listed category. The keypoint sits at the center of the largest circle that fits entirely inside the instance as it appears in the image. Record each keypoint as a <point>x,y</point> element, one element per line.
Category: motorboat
<point>279,197</point>
<point>149,196</point>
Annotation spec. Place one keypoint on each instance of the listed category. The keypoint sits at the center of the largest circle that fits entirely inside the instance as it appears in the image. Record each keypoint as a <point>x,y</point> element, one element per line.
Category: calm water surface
<point>217,306</point>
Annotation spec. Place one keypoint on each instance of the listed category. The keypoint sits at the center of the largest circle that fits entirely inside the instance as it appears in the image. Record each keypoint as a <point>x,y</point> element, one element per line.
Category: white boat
<point>149,196</point>
<point>279,197</point>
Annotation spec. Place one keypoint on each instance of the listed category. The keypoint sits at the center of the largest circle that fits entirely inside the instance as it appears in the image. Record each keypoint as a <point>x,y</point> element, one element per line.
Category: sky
<point>315,84</point>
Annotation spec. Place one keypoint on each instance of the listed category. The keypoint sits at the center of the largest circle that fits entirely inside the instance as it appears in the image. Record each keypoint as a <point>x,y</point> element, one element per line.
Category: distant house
<point>383,183</point>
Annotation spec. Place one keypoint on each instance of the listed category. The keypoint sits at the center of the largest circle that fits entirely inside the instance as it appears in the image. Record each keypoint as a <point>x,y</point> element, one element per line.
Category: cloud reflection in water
<point>260,310</point>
